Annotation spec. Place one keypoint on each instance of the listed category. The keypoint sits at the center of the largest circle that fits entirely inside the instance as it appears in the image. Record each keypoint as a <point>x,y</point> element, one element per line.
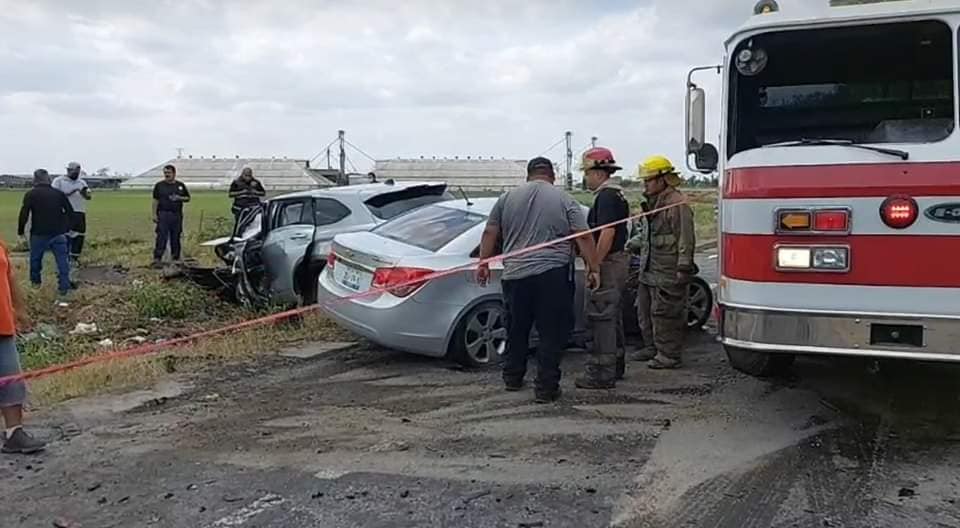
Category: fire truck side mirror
<point>696,118</point>
<point>705,156</point>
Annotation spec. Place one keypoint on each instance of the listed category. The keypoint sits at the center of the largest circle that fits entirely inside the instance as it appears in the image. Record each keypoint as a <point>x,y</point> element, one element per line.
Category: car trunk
<point>358,256</point>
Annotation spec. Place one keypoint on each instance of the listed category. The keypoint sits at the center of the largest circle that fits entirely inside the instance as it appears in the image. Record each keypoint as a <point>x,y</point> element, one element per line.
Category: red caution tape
<point>143,350</point>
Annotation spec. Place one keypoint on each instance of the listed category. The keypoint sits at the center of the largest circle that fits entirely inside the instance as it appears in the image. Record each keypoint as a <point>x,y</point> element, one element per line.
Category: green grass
<point>120,226</point>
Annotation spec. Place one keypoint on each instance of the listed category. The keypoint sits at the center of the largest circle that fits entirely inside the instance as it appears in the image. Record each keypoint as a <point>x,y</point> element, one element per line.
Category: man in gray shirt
<point>538,286</point>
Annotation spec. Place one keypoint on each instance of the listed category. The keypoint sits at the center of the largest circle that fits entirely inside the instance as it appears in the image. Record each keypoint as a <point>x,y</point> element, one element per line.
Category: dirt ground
<point>372,438</point>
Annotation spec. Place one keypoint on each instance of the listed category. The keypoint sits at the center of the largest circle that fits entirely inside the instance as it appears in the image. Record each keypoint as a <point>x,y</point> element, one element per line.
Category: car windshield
<point>431,227</point>
<point>388,205</point>
<point>882,83</point>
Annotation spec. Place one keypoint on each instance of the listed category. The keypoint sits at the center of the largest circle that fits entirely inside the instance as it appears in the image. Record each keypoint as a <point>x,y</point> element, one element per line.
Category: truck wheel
<point>481,336</point>
<point>758,364</point>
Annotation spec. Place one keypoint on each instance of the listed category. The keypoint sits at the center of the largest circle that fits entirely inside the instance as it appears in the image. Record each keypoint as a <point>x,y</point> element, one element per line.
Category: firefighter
<point>606,362</point>
<point>662,290</point>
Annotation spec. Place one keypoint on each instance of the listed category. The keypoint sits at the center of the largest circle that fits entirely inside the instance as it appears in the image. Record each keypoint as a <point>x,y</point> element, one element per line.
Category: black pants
<point>169,227</point>
<point>78,230</point>
<point>547,301</point>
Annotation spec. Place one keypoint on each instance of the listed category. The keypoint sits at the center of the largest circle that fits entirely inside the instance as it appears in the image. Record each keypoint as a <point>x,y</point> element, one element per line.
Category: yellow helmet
<point>656,166</point>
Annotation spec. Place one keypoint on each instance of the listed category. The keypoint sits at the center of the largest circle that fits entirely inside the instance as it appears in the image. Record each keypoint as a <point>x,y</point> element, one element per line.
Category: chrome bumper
<point>771,330</point>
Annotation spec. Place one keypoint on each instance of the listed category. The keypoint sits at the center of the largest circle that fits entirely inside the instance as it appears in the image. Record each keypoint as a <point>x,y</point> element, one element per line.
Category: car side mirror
<point>706,158</point>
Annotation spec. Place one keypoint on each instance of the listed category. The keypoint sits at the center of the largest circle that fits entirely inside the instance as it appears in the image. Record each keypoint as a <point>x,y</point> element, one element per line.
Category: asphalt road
<point>373,438</point>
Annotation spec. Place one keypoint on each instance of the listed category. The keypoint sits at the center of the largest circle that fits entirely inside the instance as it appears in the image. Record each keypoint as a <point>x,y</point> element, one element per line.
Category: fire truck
<point>839,167</point>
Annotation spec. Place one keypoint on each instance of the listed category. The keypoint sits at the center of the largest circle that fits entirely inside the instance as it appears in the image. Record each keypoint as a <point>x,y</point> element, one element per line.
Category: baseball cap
<point>540,163</point>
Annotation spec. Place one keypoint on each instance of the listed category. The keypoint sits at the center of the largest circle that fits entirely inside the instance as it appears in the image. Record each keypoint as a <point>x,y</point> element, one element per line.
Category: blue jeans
<point>40,244</point>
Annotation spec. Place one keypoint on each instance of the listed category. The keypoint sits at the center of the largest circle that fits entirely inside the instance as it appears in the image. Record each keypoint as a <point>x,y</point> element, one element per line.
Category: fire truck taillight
<point>899,212</point>
<point>813,258</point>
<point>831,220</point>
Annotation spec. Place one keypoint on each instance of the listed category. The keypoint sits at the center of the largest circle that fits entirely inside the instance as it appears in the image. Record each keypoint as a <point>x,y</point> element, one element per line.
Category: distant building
<point>476,174</point>
<point>276,174</point>
<point>23,181</point>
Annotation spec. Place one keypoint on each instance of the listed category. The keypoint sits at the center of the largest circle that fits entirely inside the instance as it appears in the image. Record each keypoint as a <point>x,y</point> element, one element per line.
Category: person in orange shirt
<point>13,312</point>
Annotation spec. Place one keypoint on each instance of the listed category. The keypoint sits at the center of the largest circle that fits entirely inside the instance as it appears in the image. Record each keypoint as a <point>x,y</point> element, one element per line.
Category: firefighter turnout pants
<point>605,319</point>
<point>662,314</point>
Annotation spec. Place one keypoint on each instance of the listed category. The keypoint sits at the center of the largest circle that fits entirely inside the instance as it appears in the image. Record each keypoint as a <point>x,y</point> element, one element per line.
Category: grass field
<point>142,305</point>
<point>120,228</point>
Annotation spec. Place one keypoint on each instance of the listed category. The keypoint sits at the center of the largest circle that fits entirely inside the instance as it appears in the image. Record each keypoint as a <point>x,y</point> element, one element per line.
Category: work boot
<point>644,354</point>
<point>21,442</point>
<point>513,386</point>
<point>662,362</point>
<point>621,368</point>
<point>157,264</point>
<point>546,396</point>
<point>591,383</point>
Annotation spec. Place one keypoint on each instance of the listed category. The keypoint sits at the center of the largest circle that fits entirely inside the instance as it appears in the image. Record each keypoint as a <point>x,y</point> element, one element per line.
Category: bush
<point>166,300</point>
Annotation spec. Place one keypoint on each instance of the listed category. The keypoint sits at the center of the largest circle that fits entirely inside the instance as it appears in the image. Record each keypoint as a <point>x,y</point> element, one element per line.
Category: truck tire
<point>759,364</point>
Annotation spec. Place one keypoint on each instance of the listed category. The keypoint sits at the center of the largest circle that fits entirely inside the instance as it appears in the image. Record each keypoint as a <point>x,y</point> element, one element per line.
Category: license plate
<point>351,278</point>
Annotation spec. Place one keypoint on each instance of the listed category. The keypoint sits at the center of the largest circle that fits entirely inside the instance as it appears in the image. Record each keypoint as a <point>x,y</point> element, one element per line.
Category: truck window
<point>388,205</point>
<point>883,83</point>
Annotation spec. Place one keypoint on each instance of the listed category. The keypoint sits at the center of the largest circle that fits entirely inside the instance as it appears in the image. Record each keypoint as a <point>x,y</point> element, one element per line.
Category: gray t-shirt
<point>531,214</point>
<point>66,185</point>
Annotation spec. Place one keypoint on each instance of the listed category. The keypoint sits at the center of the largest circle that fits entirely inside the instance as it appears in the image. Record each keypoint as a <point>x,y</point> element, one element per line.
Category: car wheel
<point>481,336</point>
<point>699,303</point>
<point>759,364</point>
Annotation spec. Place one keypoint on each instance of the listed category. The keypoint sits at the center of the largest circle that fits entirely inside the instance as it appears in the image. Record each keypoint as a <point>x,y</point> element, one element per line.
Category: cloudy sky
<point>124,83</point>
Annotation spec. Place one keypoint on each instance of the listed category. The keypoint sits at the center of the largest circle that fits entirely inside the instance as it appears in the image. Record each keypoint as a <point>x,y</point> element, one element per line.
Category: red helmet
<point>599,158</point>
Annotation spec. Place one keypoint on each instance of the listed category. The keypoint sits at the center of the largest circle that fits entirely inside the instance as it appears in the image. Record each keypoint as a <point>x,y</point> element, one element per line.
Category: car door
<point>290,228</point>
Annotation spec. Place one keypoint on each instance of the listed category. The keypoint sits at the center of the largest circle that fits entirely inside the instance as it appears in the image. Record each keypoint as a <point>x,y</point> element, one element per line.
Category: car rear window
<point>431,227</point>
<point>388,205</point>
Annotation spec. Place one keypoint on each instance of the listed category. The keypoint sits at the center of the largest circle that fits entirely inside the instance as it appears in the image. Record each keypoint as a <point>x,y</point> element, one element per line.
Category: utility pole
<point>593,142</point>
<point>328,159</point>
<point>569,181</point>
<point>342,179</point>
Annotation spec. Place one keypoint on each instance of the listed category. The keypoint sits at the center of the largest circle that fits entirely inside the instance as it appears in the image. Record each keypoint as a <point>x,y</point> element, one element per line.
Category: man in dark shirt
<point>169,196</point>
<point>246,192</point>
<point>49,213</point>
<point>607,359</point>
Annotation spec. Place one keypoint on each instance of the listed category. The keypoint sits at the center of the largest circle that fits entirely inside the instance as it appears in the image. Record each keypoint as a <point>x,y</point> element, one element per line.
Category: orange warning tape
<point>142,350</point>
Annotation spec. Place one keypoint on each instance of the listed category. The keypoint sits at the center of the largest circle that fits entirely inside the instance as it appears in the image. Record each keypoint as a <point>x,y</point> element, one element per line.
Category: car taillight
<point>400,282</point>
<point>831,220</point>
<point>331,260</point>
<point>899,212</point>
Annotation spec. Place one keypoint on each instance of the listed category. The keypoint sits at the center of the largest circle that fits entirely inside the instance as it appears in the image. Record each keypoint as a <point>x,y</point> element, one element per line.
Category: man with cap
<point>662,293</point>
<point>605,363</point>
<point>78,192</point>
<point>538,287</point>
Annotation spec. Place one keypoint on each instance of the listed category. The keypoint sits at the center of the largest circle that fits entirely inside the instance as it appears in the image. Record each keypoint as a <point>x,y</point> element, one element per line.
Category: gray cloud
<point>261,78</point>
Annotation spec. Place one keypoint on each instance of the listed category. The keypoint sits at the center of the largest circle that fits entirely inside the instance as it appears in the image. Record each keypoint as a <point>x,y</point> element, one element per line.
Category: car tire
<point>759,364</point>
<point>699,303</point>
<point>480,339</point>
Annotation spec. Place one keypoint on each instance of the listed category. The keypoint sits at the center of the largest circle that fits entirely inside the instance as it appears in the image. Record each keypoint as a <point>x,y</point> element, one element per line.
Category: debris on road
<point>85,329</point>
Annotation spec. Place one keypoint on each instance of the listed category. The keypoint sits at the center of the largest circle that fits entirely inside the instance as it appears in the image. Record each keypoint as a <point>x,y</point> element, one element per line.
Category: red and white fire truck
<point>839,163</point>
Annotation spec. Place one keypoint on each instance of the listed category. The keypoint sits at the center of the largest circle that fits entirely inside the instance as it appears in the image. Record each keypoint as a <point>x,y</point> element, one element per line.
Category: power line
<point>323,150</point>
<point>352,166</point>
<point>551,147</point>
<point>358,149</point>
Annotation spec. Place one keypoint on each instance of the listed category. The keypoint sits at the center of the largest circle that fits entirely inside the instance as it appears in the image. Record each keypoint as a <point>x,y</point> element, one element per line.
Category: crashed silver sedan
<point>278,250</point>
